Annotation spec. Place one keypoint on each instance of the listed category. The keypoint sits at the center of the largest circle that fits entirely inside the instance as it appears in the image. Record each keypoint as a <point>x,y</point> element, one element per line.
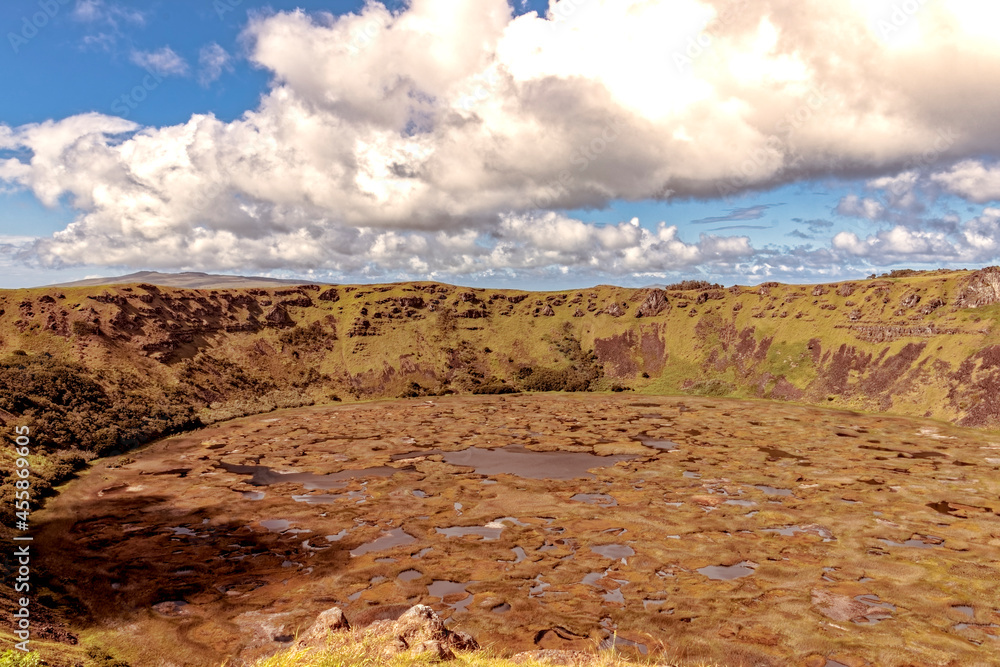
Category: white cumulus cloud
<point>164,61</point>
<point>426,138</point>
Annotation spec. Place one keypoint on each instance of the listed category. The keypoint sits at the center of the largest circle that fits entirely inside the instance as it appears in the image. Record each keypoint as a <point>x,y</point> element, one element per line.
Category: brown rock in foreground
<point>331,620</point>
<point>419,630</point>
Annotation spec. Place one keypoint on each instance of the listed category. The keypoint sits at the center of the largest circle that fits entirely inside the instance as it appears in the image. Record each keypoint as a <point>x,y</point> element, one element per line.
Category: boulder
<point>654,304</point>
<point>331,620</point>
<point>437,651</point>
<point>420,630</point>
<point>981,289</point>
<point>614,310</point>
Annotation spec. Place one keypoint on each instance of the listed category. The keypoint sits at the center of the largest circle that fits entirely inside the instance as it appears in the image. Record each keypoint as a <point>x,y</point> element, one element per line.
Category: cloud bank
<point>440,138</point>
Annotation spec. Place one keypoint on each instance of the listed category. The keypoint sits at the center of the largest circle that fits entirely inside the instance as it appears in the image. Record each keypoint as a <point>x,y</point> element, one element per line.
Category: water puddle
<point>665,445</point>
<point>523,462</point>
<point>772,490</point>
<point>595,499</point>
<point>691,475</point>
<point>538,589</point>
<point>728,572</point>
<point>441,588</point>
<point>614,596</point>
<point>741,503</point>
<point>394,538</point>
<point>791,531</point>
<point>265,476</point>
<point>917,541</point>
<point>519,554</point>
<point>423,552</point>
<point>965,609</point>
<point>491,531</point>
<point>614,643</point>
<point>419,494</point>
<point>276,525</point>
<point>877,612</point>
<point>461,531</point>
<point>591,578</point>
<point>613,551</point>
<point>324,498</point>
<point>339,536</point>
<point>830,662</point>
<point>181,530</point>
<point>253,495</point>
<point>409,575</point>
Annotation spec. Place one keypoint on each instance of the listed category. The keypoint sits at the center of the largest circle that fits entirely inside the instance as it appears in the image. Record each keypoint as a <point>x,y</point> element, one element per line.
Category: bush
<point>15,658</point>
<point>693,285</point>
<point>494,387</point>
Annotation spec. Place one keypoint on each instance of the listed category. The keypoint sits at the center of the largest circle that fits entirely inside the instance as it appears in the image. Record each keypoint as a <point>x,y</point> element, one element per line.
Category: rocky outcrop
<point>279,317</point>
<point>981,289</point>
<point>654,304</point>
<point>614,310</point>
<point>330,295</point>
<point>417,631</point>
<point>331,620</point>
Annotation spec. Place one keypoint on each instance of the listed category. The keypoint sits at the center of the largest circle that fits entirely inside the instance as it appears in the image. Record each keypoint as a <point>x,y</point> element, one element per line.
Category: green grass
<point>345,651</point>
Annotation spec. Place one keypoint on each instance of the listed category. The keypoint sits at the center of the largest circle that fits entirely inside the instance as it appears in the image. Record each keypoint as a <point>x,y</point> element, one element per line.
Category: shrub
<point>494,386</point>
<point>15,658</point>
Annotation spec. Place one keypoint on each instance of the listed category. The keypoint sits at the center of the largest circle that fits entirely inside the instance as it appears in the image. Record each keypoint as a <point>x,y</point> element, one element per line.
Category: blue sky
<point>532,144</point>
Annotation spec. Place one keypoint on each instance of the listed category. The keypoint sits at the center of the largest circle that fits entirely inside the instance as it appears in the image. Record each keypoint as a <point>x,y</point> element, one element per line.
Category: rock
<point>415,302</point>
<point>547,311</point>
<point>300,301</point>
<point>420,627</point>
<point>846,289</point>
<point>981,289</point>
<point>436,650</point>
<point>279,317</point>
<point>329,295</point>
<point>418,624</point>
<point>654,304</point>
<point>578,313</point>
<point>614,310</point>
<point>463,641</point>
<point>331,620</point>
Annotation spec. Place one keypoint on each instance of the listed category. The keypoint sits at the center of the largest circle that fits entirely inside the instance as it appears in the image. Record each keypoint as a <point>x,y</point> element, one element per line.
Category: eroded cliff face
<point>920,345</point>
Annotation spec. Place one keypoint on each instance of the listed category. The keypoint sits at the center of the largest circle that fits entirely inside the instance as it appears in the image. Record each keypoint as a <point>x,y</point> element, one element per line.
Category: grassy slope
<point>170,359</point>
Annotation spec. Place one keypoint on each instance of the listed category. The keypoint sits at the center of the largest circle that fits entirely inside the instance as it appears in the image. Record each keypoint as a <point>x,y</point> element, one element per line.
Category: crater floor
<point>699,529</point>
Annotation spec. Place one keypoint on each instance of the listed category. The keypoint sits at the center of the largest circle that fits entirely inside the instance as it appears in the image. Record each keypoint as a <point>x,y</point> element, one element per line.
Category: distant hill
<point>188,280</point>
